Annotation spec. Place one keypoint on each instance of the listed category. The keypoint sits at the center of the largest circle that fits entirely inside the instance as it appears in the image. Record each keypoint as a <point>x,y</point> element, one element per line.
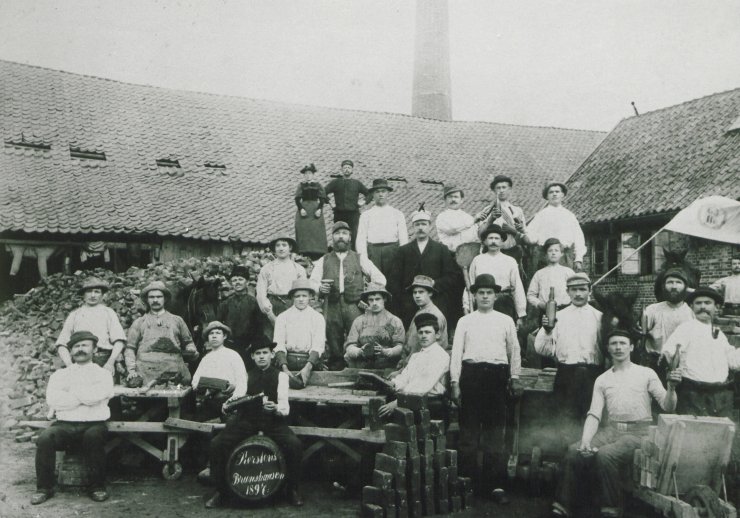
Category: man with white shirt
<point>557,221</point>
<point>729,288</point>
<point>554,276</point>
<point>705,359</point>
<point>382,229</point>
<point>454,225</point>
<point>300,333</point>
<point>485,365</point>
<point>79,396</point>
<point>341,276</point>
<point>575,343</point>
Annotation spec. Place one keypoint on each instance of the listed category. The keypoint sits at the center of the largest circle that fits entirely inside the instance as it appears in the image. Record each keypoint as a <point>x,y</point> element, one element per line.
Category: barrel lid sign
<point>256,469</point>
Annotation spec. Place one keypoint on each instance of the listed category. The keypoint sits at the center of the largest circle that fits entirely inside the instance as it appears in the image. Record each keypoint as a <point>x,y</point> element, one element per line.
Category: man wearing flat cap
<point>574,341</point>
<point>382,229</point>
<point>375,340</point>
<point>78,395</point>
<point>340,275</point>
<point>96,317</point>
<point>346,191</point>
<point>556,221</point>
<point>455,226</point>
<point>705,359</point>
<point>158,341</point>
<point>241,312</point>
<point>424,256</point>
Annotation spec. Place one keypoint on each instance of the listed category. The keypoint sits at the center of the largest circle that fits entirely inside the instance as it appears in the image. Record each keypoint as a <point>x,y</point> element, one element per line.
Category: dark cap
<point>619,332</point>
<point>678,273</point>
<point>340,225</point>
<point>485,280</point>
<point>501,178</point>
<point>240,271</point>
<point>449,189</point>
<point>705,291</point>
<point>79,336</point>
<point>553,184</point>
<point>493,229</point>
<point>308,167</point>
<point>261,342</point>
<point>348,162</point>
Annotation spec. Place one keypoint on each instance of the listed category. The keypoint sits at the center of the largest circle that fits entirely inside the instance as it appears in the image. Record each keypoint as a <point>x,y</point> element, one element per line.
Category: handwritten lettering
<point>248,458</point>
<point>239,479</point>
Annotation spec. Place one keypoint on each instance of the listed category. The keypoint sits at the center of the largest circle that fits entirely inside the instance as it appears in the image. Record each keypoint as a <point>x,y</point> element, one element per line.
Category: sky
<point>573,64</point>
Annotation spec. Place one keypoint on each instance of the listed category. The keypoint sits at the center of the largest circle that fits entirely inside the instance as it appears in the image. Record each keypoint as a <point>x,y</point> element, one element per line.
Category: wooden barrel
<point>256,469</point>
<point>71,470</point>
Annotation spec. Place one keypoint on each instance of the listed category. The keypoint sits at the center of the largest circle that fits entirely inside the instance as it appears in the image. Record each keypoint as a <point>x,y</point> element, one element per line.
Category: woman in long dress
<point>310,229</point>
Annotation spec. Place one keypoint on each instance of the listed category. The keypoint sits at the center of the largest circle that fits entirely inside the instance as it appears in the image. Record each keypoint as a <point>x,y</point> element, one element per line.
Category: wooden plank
<point>137,427</point>
<point>145,446</point>
<point>372,511</point>
<point>180,393</point>
<point>184,424</point>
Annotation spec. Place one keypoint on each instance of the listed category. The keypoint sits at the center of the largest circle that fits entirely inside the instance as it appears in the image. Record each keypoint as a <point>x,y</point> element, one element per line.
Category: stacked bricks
<point>415,475</point>
<point>730,326</point>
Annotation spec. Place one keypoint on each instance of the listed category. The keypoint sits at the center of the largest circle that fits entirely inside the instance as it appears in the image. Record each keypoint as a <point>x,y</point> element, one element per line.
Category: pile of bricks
<point>730,326</point>
<point>415,475</point>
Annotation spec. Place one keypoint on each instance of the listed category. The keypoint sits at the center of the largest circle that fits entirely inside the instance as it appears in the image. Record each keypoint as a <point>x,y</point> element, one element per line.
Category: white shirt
<point>729,287</point>
<point>551,276</point>
<point>702,358</point>
<point>80,393</point>
<point>485,338</point>
<point>506,272</point>
<point>300,331</point>
<point>425,372</point>
<point>421,245</point>
<point>381,225</point>
<point>626,394</point>
<point>575,338</point>
<point>226,364</point>
<point>100,320</point>
<point>368,269</point>
<point>662,320</point>
<point>560,223</point>
<point>455,227</point>
<point>276,278</point>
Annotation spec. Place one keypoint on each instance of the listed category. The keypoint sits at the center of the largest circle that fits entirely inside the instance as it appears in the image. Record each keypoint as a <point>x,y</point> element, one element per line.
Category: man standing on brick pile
<point>556,221</point>
<point>375,340</point>
<point>275,280</point>
<point>662,318</point>
<point>158,341</point>
<point>455,226</point>
<point>340,275</point>
<point>382,229</point>
<point>241,312</point>
<point>729,288</point>
<point>346,191</point>
<point>424,256</point>
<point>574,341</point>
<point>300,335</point>
<point>705,359</point>
<point>625,392</point>
<point>484,369</point>
<point>99,319</point>
<point>79,396</point>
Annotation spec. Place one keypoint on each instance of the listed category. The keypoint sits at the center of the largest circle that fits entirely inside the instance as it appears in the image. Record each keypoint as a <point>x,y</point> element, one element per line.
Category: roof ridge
<point>284,103</point>
<point>673,106</point>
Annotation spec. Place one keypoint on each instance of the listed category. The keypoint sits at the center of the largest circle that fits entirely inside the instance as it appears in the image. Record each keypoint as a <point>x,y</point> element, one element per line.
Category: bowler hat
<point>449,189</point>
<point>553,184</point>
<point>260,342</point>
<point>494,229</point>
<point>155,286</point>
<point>287,239</point>
<point>301,284</point>
<point>308,167</point>
<point>425,319</point>
<point>579,279</point>
<point>423,281</point>
<point>240,271</point>
<point>678,273</point>
<point>380,183</point>
<point>348,162</point>
<point>91,283</point>
<point>551,241</point>
<point>375,288</point>
<point>340,225</point>
<point>485,280</point>
<point>79,336</point>
<point>705,291</point>
<point>501,178</point>
<point>216,325</point>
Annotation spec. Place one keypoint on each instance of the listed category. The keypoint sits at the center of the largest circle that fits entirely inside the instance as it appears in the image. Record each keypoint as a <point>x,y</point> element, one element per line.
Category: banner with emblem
<point>713,217</point>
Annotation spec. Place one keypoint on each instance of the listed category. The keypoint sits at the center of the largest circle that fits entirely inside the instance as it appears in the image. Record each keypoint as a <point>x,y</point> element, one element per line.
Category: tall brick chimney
<point>432,91</point>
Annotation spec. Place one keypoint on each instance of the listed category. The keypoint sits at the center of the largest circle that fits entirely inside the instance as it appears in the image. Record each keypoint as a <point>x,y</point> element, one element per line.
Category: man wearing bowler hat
<point>241,312</point>
<point>382,229</point>
<point>346,191</point>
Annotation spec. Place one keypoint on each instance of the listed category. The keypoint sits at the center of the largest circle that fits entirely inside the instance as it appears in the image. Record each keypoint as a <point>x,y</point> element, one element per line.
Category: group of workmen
<point>382,302</point>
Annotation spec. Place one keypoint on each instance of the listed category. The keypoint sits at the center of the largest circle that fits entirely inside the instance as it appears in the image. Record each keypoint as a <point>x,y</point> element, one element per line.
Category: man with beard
<point>729,288</point>
<point>346,193</point>
<point>424,256</point>
<point>340,275</point>
<point>662,318</point>
<point>241,313</point>
<point>705,359</point>
<point>158,341</point>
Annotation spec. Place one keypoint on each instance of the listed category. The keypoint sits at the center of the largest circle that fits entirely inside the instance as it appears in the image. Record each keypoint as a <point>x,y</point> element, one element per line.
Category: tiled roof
<point>661,161</point>
<point>261,144</point>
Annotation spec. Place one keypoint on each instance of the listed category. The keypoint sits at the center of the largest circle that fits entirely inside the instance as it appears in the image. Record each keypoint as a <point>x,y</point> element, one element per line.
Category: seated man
<point>624,391</point>
<point>375,340</point>
<point>300,333</point>
<point>79,396</point>
<point>270,420</point>
<point>426,371</point>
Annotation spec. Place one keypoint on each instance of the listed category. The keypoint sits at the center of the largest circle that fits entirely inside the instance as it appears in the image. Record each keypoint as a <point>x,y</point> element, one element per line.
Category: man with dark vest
<point>265,379</point>
<point>340,275</point>
<point>241,312</point>
<point>346,193</point>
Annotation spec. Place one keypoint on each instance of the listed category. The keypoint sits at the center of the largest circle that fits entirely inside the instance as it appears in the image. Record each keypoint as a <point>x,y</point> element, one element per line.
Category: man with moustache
<point>455,226</point>
<point>424,256</point>
<point>705,359</point>
<point>241,313</point>
<point>340,275</point>
<point>346,191</point>
<point>729,288</point>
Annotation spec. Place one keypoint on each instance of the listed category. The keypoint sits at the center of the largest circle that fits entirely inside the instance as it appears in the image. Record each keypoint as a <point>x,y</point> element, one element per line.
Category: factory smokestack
<point>432,91</point>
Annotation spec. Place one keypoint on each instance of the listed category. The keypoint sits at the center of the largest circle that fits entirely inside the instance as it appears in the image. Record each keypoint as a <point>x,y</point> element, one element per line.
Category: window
<point>23,144</point>
<point>214,165</point>
<point>75,152</point>
<point>604,254</point>
<point>649,259</point>
<point>168,162</point>
<point>647,254</point>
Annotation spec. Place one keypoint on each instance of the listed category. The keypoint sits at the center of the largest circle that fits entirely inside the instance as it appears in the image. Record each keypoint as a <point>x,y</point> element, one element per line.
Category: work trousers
<point>607,467</point>
<point>241,427</point>
<point>339,317</point>
<point>706,399</point>
<point>63,435</point>
<point>383,255</point>
<point>573,388</point>
<point>483,393</point>
<point>351,218</point>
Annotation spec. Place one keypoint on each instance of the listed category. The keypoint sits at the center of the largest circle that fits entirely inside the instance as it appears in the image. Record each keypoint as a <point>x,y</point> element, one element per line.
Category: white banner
<point>713,217</point>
